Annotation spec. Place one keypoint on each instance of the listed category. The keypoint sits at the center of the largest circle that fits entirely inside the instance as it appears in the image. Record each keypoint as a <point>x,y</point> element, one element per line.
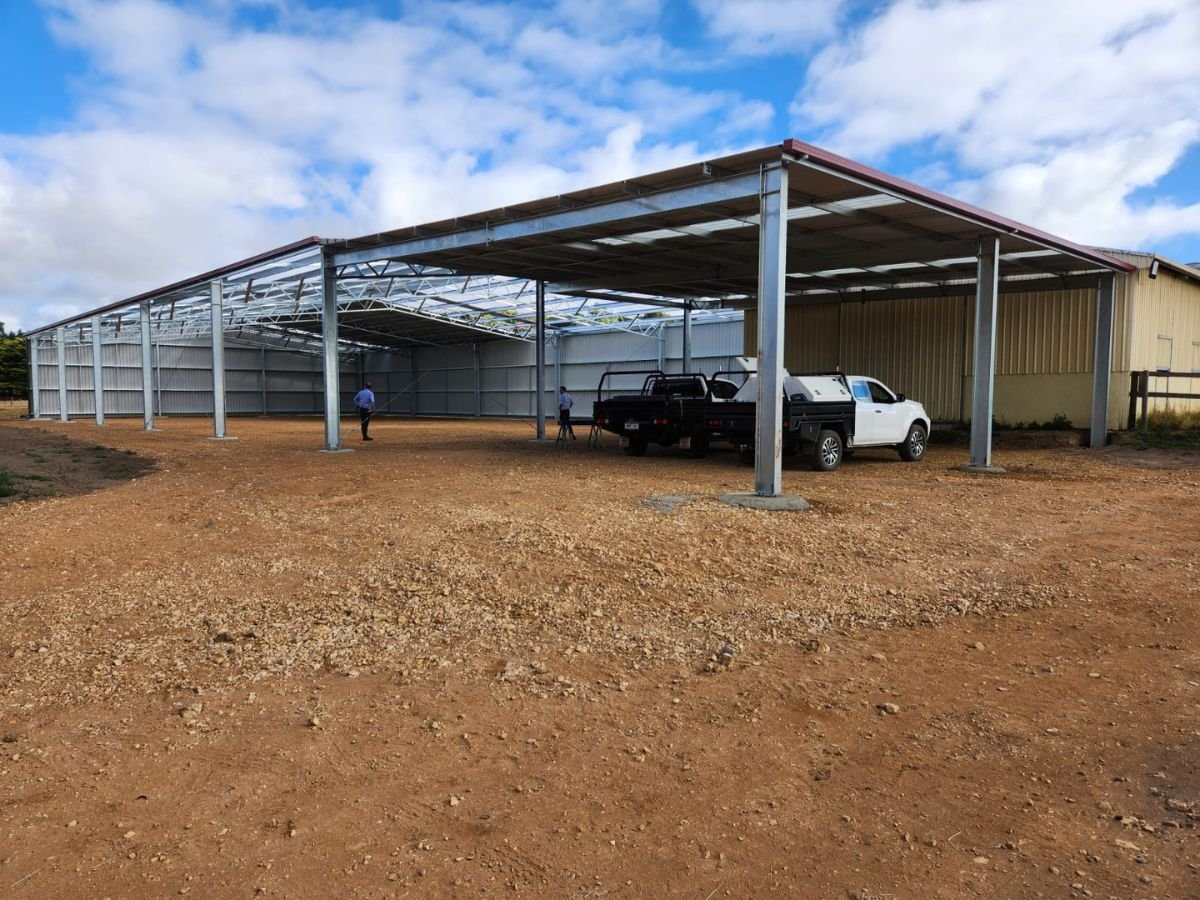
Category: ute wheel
<point>913,447</point>
<point>699,448</point>
<point>827,452</point>
<point>637,447</point>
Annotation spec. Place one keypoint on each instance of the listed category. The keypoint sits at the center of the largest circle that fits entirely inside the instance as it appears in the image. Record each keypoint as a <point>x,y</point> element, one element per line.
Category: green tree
<point>14,372</point>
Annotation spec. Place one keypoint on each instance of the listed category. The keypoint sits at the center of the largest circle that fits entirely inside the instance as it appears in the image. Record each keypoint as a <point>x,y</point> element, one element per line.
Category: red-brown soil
<point>458,663</point>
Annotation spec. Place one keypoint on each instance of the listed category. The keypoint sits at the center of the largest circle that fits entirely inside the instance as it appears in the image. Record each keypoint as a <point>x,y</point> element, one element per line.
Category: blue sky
<point>142,141</point>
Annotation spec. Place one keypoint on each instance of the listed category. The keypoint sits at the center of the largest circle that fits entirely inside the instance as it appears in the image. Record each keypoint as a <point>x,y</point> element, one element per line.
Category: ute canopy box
<point>828,414</point>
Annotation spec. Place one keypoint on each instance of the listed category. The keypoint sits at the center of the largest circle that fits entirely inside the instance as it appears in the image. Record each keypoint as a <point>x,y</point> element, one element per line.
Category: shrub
<point>1059,423</point>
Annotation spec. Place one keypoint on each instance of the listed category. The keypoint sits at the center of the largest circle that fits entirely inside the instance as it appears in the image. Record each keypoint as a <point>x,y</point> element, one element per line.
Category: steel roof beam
<point>738,187</point>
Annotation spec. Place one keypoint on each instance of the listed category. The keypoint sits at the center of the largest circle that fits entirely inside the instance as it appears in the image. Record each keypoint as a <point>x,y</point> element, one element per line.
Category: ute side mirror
<point>900,398</point>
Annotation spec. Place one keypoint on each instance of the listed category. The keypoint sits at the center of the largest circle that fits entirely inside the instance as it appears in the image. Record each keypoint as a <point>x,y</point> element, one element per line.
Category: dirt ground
<point>455,662</point>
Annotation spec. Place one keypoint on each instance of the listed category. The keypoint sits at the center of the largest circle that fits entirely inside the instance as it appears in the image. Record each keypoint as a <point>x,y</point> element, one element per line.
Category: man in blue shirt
<point>365,401</point>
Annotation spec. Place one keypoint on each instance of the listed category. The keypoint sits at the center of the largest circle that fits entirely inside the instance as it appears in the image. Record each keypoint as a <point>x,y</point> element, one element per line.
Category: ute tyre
<point>637,447</point>
<point>699,448</point>
<point>827,452</point>
<point>913,448</point>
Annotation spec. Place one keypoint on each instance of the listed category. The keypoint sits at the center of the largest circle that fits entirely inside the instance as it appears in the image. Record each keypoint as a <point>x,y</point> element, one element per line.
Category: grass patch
<point>11,483</point>
<point>1171,430</point>
<point>36,457</point>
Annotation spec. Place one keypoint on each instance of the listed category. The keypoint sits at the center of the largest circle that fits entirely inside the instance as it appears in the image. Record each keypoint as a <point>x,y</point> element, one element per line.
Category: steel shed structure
<point>784,224</point>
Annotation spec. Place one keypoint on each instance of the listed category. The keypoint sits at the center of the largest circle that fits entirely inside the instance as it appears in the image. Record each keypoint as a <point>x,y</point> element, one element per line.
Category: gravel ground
<point>457,571</point>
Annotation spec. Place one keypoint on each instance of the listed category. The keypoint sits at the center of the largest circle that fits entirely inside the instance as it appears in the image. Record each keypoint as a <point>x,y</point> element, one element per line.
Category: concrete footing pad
<point>782,503</point>
<point>982,470</point>
<point>226,438</point>
<point>339,450</point>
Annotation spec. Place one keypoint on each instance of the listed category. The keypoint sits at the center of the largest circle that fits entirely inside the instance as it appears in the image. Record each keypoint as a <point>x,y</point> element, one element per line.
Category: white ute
<point>885,419</point>
<point>830,415</point>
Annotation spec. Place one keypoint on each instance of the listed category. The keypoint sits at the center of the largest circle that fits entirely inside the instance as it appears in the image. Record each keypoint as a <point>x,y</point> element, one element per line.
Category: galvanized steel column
<point>539,379</point>
<point>772,261</point>
<point>35,378</point>
<point>987,285</point>
<point>687,338</point>
<point>478,394</point>
<point>147,369</point>
<point>413,378</point>
<point>158,379</point>
<point>98,369</point>
<point>218,358</point>
<point>558,367</point>
<point>1102,374</point>
<point>329,339</point>
<point>60,338</point>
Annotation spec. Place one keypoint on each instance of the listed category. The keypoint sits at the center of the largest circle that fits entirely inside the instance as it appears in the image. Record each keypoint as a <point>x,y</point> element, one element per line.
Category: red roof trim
<point>916,192</point>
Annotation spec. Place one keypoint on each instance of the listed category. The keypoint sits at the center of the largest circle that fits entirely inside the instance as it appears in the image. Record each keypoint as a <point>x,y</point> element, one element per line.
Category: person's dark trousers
<point>364,417</point>
<point>564,420</point>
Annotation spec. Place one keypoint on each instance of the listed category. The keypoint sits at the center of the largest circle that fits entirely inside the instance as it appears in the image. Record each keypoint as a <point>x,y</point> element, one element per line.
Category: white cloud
<point>1064,109</point>
<point>1083,192</point>
<point>764,27</point>
<point>200,141</point>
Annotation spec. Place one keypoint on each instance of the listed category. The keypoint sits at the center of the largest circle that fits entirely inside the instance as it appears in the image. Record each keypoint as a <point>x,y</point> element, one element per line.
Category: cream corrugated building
<point>1044,344</point>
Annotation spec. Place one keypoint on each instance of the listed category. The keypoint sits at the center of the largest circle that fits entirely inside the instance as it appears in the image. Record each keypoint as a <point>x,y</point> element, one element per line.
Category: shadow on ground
<point>36,463</point>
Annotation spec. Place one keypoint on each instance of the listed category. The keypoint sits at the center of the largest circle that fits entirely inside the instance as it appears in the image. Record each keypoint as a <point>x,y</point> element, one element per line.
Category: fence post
<point>1133,395</point>
<point>1145,397</point>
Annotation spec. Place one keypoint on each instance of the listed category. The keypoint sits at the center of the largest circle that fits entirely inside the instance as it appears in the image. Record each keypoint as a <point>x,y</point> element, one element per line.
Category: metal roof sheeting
<point>624,255</point>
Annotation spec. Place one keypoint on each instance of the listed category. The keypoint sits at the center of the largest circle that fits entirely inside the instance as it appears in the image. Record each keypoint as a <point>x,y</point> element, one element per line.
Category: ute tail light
<point>714,423</point>
<point>660,421</point>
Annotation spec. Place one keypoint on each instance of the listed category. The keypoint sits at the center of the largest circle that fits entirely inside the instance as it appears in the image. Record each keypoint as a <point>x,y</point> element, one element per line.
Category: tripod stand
<point>565,433</point>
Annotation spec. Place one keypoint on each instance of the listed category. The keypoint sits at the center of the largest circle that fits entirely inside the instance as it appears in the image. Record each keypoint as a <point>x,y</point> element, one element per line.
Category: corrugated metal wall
<point>1045,333</point>
<point>507,368</point>
<point>1167,323</point>
<point>1166,335</point>
<point>914,346</point>
<point>257,380</point>
<point>923,347</point>
<point>428,381</point>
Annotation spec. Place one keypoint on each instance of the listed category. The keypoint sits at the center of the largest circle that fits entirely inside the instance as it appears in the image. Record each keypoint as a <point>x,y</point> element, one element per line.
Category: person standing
<point>365,401</point>
<point>565,402</point>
